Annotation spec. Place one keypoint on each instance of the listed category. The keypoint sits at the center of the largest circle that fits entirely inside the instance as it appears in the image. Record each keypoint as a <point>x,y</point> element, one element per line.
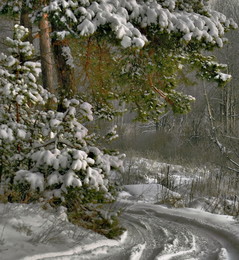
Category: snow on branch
<point>127,18</point>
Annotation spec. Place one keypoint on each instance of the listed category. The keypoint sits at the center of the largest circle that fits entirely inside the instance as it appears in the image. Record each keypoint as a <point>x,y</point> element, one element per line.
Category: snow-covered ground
<point>204,188</point>
<point>153,231</point>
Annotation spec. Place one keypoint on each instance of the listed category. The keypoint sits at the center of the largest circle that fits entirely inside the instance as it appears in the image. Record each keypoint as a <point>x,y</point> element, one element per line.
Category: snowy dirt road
<point>168,234</point>
<point>155,232</point>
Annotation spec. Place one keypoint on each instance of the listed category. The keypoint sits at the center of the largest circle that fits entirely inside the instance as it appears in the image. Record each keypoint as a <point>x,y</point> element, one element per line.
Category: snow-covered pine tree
<point>49,150</point>
<point>19,93</point>
<point>49,153</point>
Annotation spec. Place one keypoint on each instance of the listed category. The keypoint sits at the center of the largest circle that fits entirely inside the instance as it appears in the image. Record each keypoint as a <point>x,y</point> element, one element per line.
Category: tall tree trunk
<point>46,54</point>
<point>45,45</point>
<point>65,71</point>
<point>25,21</point>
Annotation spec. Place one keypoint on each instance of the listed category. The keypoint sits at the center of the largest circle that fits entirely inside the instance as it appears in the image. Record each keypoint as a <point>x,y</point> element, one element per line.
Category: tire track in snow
<point>162,242</point>
<point>197,239</point>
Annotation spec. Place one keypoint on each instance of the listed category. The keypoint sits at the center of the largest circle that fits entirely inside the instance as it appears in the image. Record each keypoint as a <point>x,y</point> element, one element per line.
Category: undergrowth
<point>87,209</point>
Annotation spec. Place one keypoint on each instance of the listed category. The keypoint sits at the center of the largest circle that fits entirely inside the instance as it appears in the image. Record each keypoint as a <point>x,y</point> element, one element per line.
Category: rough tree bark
<point>46,54</point>
<point>25,21</point>
<point>65,72</point>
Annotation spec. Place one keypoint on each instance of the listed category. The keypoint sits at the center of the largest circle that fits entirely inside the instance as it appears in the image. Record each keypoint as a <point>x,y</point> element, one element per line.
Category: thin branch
<point>232,169</point>
<point>159,91</point>
<point>45,144</point>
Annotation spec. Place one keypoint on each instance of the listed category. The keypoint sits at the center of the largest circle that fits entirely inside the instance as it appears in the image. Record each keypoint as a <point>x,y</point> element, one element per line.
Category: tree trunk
<point>46,54</point>
<point>26,22</point>
<point>65,71</point>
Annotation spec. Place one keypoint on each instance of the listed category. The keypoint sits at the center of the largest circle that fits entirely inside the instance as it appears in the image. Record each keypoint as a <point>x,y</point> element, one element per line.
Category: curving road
<point>167,235</point>
<point>158,233</point>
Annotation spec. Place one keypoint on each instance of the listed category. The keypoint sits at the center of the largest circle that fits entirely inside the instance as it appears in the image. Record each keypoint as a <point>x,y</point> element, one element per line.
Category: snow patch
<point>151,192</point>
